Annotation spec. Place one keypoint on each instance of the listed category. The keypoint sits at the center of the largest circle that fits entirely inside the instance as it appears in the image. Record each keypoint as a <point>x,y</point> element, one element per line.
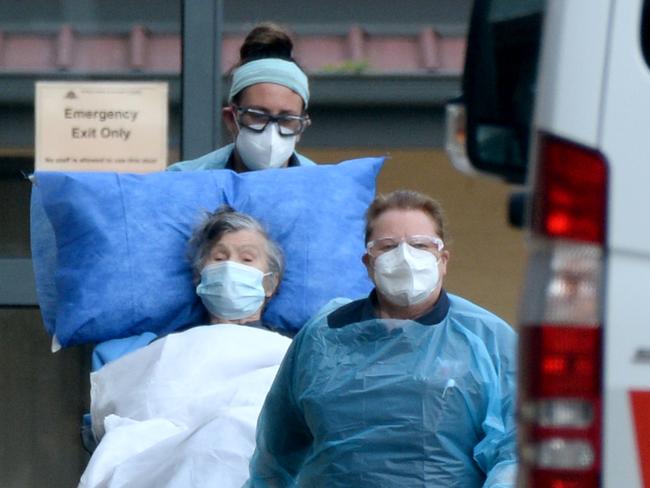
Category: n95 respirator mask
<point>406,275</point>
<point>266,149</point>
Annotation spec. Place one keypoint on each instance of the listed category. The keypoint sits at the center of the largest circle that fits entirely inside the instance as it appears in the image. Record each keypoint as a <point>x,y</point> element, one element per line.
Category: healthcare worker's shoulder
<point>351,313</point>
<point>214,160</point>
<point>320,318</point>
<point>475,322</point>
<point>318,325</point>
<point>472,316</point>
<point>304,160</point>
<point>219,160</point>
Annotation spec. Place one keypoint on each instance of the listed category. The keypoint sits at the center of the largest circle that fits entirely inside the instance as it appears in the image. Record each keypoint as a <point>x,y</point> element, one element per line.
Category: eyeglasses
<point>257,120</point>
<point>432,244</point>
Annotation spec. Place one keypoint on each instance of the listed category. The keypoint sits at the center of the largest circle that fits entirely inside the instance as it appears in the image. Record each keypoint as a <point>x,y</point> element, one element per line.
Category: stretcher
<point>109,260</point>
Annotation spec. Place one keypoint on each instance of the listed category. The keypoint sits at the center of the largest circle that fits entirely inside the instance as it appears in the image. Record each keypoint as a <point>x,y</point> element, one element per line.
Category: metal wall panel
<point>201,77</point>
<point>42,398</point>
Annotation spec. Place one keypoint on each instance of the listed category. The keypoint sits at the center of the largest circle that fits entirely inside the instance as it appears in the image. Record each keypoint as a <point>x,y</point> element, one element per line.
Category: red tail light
<point>571,191</point>
<point>566,480</point>
<point>560,349</point>
<point>562,361</point>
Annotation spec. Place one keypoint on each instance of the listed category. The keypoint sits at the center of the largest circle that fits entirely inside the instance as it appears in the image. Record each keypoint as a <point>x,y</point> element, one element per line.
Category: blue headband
<point>270,70</point>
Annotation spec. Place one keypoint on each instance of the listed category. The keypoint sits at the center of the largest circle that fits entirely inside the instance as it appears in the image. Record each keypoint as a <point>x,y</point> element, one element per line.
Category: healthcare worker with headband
<point>411,386</point>
<point>266,112</point>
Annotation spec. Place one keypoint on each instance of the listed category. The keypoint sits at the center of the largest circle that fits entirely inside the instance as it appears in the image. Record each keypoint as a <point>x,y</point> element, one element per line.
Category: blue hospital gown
<point>363,402</point>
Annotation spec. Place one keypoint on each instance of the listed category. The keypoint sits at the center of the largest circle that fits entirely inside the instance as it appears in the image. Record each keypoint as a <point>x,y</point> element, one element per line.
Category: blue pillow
<point>109,249</point>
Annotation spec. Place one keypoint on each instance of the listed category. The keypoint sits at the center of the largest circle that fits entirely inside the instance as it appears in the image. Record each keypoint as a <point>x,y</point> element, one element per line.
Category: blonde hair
<point>405,200</point>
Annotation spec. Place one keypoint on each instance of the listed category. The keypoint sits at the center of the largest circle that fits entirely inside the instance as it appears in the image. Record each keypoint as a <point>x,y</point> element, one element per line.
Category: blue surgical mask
<point>231,290</point>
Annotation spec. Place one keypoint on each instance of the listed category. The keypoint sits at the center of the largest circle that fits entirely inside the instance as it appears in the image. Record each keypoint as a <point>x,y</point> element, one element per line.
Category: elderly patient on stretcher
<point>181,411</point>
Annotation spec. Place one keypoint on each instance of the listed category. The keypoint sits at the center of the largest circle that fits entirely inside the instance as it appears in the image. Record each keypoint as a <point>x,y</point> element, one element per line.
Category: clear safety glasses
<point>257,120</point>
<point>432,244</point>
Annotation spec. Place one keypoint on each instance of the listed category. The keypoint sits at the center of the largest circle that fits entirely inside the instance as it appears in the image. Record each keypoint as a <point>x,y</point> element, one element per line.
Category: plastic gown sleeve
<point>496,453</point>
<point>280,452</point>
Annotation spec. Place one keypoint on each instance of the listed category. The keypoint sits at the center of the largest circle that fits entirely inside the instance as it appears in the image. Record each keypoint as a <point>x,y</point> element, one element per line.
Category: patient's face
<point>242,246</point>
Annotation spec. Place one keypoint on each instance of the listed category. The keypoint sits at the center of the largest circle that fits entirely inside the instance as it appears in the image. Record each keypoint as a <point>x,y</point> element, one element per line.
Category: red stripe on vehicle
<point>641,409</point>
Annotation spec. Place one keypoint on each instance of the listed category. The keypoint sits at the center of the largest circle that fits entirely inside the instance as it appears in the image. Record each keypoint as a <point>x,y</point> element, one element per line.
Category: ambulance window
<point>499,84</point>
<point>645,32</point>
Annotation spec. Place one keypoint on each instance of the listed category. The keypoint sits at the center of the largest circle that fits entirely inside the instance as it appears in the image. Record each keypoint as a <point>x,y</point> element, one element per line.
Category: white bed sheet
<point>182,411</point>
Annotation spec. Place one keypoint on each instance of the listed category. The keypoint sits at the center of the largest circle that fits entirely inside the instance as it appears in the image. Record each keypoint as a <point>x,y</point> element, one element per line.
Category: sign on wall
<point>101,126</point>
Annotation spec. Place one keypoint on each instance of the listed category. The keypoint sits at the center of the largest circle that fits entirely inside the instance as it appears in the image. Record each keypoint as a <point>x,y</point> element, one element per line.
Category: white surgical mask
<point>266,149</point>
<point>406,275</point>
<point>231,290</point>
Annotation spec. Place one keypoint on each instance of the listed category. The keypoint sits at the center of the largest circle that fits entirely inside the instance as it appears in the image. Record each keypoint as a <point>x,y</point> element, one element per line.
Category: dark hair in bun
<point>266,40</point>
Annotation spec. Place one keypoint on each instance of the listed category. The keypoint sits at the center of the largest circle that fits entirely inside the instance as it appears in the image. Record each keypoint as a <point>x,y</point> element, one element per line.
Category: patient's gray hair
<point>224,220</point>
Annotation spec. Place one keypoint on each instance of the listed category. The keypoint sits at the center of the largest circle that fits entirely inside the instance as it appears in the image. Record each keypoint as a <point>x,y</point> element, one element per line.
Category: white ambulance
<point>557,98</point>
